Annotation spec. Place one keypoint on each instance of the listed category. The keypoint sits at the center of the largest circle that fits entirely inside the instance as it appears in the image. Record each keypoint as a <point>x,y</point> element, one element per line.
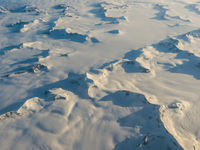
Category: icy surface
<point>99,75</point>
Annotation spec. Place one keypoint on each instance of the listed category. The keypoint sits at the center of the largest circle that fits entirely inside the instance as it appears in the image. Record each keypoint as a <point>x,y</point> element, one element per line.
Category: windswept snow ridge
<point>99,75</point>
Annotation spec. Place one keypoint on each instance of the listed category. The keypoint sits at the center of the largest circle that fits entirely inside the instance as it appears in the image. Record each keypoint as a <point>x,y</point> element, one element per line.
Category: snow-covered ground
<point>99,75</point>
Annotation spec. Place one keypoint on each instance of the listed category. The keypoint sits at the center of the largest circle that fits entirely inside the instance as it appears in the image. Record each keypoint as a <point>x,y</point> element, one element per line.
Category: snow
<point>99,75</point>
